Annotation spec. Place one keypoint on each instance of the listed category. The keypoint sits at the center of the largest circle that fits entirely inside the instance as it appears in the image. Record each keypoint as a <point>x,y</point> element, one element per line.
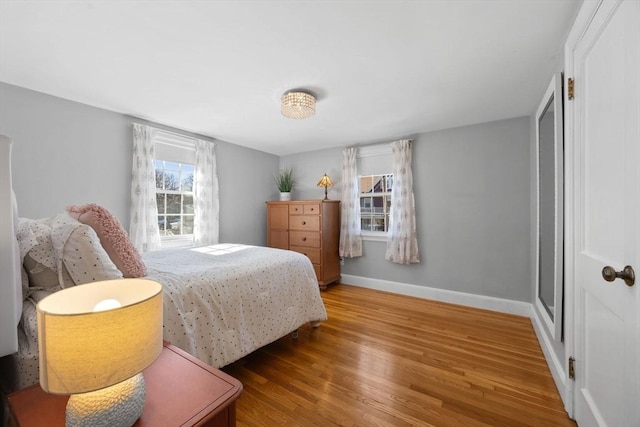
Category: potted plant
<point>284,182</point>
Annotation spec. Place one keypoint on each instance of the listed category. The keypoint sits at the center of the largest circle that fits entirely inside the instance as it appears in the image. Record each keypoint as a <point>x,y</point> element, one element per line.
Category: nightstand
<point>181,391</point>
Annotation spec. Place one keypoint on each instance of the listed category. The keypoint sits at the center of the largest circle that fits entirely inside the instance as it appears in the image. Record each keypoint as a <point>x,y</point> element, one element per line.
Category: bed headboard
<point>10,270</point>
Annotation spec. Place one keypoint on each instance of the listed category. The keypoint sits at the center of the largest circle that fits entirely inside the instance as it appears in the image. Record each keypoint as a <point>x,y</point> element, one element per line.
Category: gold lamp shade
<point>325,182</point>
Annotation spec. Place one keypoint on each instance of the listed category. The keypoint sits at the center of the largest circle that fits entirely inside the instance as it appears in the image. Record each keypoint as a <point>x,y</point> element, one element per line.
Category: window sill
<point>177,242</point>
<point>374,237</point>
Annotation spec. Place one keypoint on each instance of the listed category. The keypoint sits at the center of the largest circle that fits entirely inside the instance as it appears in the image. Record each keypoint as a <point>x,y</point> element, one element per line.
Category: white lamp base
<point>117,406</point>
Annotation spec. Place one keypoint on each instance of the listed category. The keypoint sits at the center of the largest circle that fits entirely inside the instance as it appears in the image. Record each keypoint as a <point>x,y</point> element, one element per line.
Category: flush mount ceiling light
<point>298,105</point>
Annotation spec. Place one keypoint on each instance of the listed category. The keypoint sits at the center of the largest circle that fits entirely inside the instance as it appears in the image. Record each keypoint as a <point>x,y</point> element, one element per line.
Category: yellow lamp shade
<point>82,349</point>
<point>325,181</point>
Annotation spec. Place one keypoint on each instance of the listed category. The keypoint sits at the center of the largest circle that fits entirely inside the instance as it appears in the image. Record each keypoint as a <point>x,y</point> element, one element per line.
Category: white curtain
<point>402,238</point>
<point>350,240</point>
<point>206,200</point>
<point>143,229</point>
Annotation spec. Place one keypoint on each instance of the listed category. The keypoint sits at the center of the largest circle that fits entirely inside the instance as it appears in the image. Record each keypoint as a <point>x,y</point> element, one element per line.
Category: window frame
<point>386,206</point>
<point>376,152</point>
<point>174,148</point>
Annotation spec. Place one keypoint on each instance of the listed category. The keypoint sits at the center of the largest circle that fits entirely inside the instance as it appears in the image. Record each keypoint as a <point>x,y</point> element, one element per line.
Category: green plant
<point>284,180</point>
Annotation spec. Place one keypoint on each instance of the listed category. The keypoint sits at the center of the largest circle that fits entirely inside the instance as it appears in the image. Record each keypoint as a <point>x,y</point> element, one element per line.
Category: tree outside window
<point>174,197</point>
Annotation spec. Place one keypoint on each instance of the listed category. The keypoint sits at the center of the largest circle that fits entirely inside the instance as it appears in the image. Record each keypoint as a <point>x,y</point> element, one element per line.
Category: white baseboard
<point>519,308</point>
<point>556,366</point>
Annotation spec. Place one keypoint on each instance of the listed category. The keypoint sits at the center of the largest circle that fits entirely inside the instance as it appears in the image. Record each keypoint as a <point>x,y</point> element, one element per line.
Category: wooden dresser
<point>311,227</point>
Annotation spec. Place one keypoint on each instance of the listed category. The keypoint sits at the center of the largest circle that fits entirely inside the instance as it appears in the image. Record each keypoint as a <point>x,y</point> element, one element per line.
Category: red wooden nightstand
<point>181,391</point>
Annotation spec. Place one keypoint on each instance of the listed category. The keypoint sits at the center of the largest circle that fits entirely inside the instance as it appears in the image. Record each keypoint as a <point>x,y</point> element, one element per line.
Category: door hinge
<point>570,88</point>
<point>572,368</point>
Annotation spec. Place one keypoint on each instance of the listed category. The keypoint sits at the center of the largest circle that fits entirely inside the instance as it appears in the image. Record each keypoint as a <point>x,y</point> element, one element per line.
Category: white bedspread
<point>224,301</point>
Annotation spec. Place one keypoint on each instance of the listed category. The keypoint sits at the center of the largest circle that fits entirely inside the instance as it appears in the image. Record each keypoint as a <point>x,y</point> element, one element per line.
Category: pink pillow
<point>113,237</point>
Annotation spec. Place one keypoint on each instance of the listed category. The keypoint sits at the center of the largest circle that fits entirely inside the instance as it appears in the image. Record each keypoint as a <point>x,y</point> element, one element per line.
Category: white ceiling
<point>380,69</point>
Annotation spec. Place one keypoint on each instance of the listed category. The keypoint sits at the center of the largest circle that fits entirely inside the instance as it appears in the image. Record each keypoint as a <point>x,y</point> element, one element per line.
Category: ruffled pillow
<point>60,252</point>
<point>113,237</point>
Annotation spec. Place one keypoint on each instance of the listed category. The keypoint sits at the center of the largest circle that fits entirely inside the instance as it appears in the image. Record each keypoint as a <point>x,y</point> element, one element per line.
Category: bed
<point>220,302</point>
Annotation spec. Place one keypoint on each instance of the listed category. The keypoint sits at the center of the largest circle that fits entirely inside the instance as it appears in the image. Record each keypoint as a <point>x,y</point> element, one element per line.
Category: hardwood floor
<point>389,360</point>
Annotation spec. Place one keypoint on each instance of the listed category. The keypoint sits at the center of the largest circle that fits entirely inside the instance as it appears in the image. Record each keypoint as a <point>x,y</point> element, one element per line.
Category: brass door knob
<point>627,274</point>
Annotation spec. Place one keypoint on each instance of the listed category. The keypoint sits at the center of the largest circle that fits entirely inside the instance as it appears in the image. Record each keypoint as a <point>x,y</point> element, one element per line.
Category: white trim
<point>518,308</point>
<point>374,236</point>
<point>174,140</point>
<point>554,90</point>
<point>584,17</point>
<point>374,150</point>
<point>181,241</point>
<point>556,366</point>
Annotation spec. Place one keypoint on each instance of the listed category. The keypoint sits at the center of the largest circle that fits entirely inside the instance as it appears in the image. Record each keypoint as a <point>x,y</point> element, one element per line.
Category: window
<point>175,173</point>
<point>374,162</point>
<point>174,196</point>
<point>375,202</point>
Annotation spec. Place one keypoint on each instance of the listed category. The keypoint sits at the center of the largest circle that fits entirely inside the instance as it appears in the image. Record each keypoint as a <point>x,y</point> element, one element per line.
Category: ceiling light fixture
<point>298,105</point>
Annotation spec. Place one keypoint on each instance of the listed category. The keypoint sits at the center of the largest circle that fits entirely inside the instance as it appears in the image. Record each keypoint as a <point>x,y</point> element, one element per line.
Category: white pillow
<point>77,250</point>
<point>85,259</point>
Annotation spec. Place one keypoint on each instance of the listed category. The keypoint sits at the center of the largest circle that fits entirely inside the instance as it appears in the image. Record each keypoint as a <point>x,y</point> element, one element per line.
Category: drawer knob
<point>304,239</point>
<point>304,222</point>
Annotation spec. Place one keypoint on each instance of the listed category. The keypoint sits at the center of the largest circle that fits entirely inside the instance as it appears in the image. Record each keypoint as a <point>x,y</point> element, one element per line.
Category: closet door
<point>606,185</point>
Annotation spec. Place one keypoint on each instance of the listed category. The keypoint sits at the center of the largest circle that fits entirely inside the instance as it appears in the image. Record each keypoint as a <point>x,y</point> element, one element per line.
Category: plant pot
<point>285,196</point>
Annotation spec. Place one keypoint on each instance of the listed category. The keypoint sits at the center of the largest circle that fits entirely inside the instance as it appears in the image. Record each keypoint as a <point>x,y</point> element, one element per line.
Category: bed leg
<point>294,334</point>
<point>315,324</point>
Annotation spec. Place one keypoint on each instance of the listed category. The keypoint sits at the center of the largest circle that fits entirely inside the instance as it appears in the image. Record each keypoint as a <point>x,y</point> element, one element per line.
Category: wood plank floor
<point>390,360</point>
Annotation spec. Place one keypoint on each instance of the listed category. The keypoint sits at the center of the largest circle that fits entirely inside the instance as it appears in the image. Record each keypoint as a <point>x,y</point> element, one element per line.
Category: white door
<point>606,215</point>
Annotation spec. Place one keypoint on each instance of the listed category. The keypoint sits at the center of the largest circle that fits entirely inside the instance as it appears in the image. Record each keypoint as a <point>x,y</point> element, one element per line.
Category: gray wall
<point>472,191</point>
<point>472,188</point>
<point>70,153</point>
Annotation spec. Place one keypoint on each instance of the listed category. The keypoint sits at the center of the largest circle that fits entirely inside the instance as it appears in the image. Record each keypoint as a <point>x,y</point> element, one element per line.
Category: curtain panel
<point>350,240</point>
<point>402,238</point>
<point>206,201</point>
<point>143,228</point>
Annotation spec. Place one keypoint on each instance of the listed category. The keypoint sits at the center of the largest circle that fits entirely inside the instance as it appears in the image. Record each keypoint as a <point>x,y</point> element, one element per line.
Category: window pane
<point>378,184</point>
<point>173,225</point>
<point>389,182</point>
<point>173,203</point>
<point>365,224</point>
<point>378,205</point>
<point>160,199</point>
<point>171,180</point>
<point>171,165</point>
<point>162,221</point>
<point>365,205</point>
<point>159,179</point>
<point>366,184</point>
<point>378,224</point>
<point>187,204</point>
<point>187,181</point>
<point>187,225</point>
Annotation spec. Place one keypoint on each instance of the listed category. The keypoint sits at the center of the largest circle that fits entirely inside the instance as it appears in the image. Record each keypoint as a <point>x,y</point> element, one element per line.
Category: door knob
<point>627,274</point>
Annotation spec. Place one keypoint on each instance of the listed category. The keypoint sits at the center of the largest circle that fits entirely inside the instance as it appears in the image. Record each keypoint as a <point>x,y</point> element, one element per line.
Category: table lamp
<point>325,182</point>
<point>94,341</point>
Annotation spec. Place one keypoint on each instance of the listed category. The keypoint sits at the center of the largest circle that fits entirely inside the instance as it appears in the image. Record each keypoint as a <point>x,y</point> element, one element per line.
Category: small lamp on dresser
<point>94,342</point>
<point>325,182</point>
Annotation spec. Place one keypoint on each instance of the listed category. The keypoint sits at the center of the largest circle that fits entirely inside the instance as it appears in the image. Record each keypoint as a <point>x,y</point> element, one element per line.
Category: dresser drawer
<point>312,253</point>
<point>312,209</point>
<point>304,222</point>
<point>304,238</point>
<point>305,209</point>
